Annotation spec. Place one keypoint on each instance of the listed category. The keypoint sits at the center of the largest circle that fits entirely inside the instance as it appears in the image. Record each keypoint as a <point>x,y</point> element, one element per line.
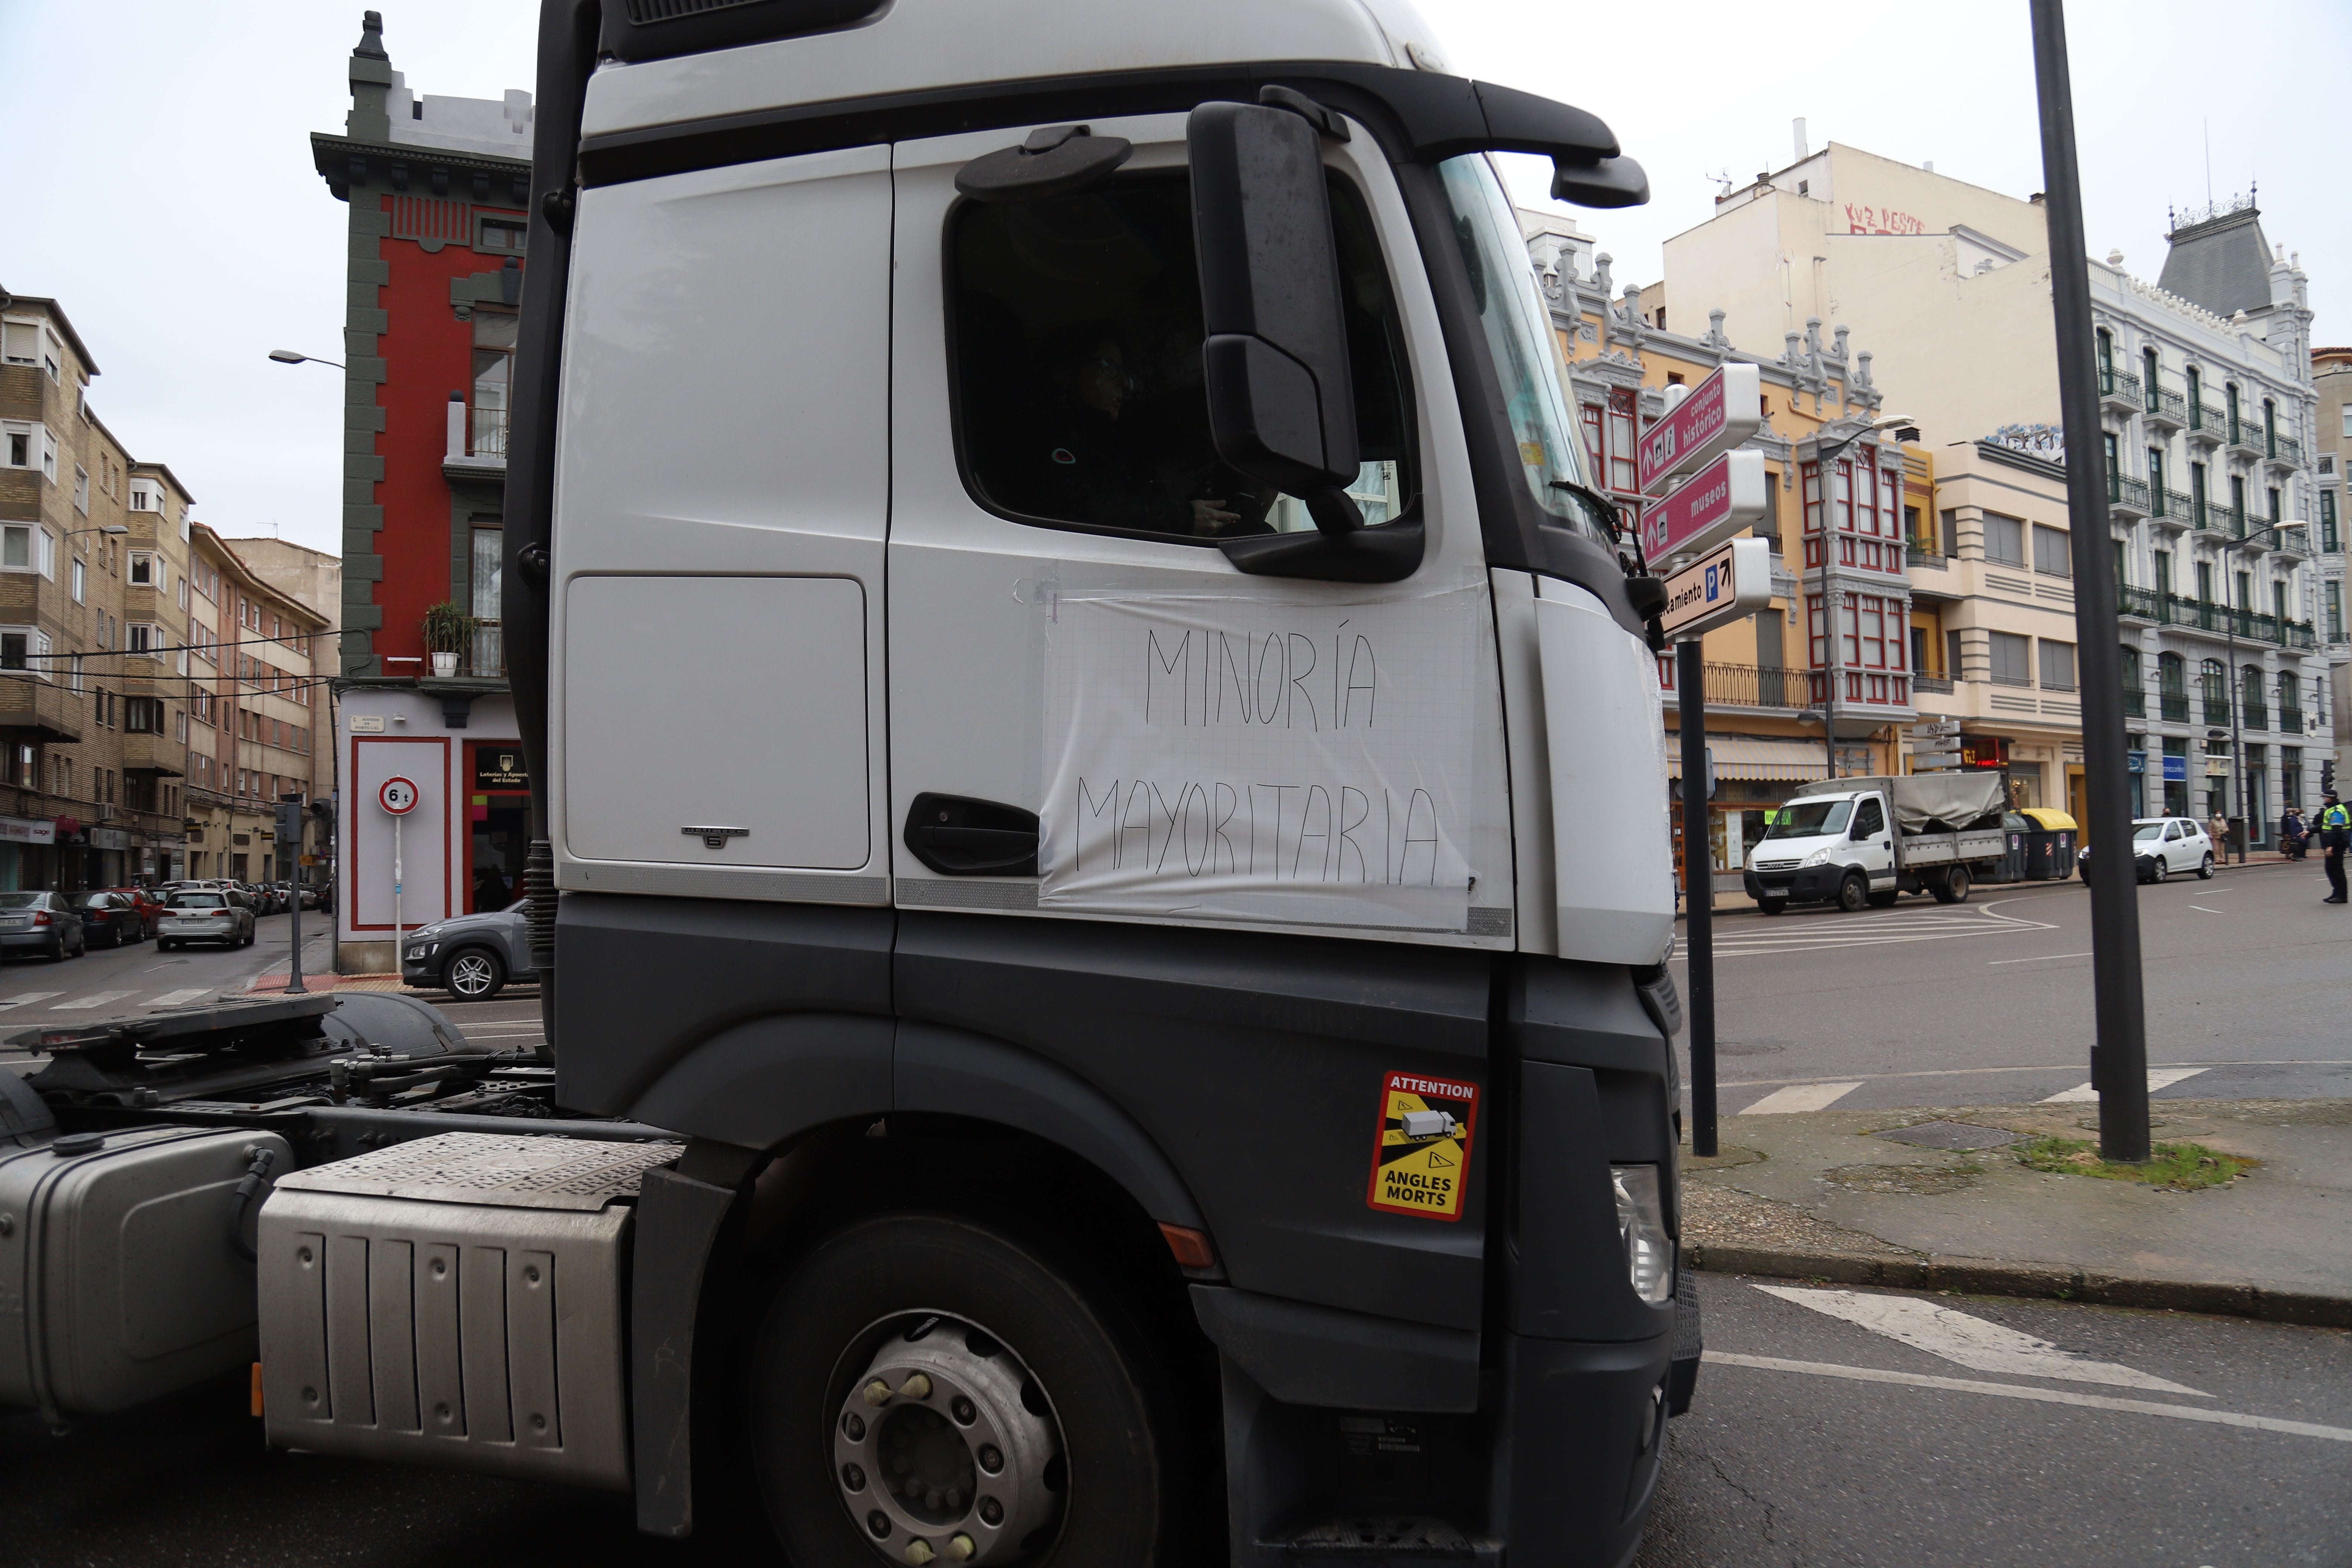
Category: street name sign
<point>1719,414</point>
<point>1723,498</point>
<point>1729,582</point>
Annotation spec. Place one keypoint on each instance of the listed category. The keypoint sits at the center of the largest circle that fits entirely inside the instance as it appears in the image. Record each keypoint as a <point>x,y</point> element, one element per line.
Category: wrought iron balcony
<point>2165,407</point>
<point>2175,706</point>
<point>2135,702</point>
<point>2290,721</point>
<point>2207,423</point>
<point>1924,552</point>
<point>2175,506</point>
<point>2119,390</point>
<point>2126,494</point>
<point>2143,605</point>
<point>2217,712</point>
<point>2247,436</point>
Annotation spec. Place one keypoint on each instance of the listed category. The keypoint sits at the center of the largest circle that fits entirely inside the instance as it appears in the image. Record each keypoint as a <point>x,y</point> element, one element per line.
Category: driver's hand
<point>1210,515</point>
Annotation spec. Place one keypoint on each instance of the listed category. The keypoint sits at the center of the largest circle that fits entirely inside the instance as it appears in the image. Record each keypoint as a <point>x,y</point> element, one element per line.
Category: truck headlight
<point>1641,1226</point>
<point>1820,857</point>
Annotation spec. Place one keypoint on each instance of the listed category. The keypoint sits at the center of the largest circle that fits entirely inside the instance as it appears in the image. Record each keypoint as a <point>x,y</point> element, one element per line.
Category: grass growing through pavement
<point>2176,1167</point>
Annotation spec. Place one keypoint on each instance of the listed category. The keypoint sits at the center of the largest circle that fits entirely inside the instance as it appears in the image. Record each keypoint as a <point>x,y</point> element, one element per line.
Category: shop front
<point>498,810</point>
<point>1755,776</point>
<point>28,848</point>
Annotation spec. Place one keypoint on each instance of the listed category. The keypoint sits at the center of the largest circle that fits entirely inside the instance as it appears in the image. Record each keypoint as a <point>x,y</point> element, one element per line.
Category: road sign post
<point>398,797</point>
<point>289,831</point>
<point>1728,583</point>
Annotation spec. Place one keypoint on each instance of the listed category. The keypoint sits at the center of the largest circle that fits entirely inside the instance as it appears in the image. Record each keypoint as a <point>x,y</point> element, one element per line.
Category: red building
<point>435,189</point>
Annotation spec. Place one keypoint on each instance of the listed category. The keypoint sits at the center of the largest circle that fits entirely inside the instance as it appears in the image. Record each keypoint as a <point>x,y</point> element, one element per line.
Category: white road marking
<point>1973,1343</point>
<point>2041,1395</point>
<point>1801,1097</point>
<point>2063,1067</point>
<point>2203,911</point>
<point>95,999</point>
<point>2158,1077</point>
<point>28,998</point>
<point>182,998</point>
<point>1867,930</point>
<point>2044,958</point>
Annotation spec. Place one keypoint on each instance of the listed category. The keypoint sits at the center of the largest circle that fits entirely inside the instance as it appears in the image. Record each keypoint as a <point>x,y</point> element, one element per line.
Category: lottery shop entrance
<point>498,812</point>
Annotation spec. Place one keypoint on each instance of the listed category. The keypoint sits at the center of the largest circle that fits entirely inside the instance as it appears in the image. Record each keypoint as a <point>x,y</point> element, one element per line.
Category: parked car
<point>42,923</point>
<point>472,957</point>
<point>222,917</point>
<point>111,920</point>
<point>149,902</point>
<point>2162,845</point>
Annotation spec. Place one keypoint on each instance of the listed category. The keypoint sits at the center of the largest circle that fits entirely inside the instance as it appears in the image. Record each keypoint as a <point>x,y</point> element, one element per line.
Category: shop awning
<point>1755,757</point>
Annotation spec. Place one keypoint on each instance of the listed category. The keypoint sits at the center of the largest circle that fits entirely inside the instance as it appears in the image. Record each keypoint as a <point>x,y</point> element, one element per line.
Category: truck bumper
<point>1814,883</point>
<point>1585,1433</point>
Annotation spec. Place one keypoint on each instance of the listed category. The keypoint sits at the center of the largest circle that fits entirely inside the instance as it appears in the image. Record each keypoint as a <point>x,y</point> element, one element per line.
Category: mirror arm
<point>1334,511</point>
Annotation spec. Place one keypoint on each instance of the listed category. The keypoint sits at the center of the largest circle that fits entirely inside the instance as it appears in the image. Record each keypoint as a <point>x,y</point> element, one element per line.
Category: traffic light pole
<point>2119,1057</point>
<point>288,827</point>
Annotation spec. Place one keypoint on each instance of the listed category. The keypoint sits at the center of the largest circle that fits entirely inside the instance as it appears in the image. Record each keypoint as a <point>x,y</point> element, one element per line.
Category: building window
<point>2164,572</point>
<point>80,581</point>
<point>142,569</point>
<point>2009,654</point>
<point>144,715</point>
<point>82,489</point>
<point>2327,539</point>
<point>501,236</point>
<point>2276,518</point>
<point>2051,551</point>
<point>143,637</point>
<point>2107,347</point>
<point>2230,408</point>
<point>2196,399</point>
<point>143,496</point>
<point>2335,612</point>
<point>2237,503</point>
<point>2057,666</point>
<point>20,548</point>
<point>2004,540</point>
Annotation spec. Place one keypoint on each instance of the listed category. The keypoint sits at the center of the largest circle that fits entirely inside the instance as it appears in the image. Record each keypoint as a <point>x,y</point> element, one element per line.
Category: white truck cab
<point>1101,821</point>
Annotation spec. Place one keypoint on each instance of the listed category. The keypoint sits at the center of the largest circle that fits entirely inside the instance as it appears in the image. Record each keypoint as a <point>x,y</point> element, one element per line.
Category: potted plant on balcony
<point>446,628</point>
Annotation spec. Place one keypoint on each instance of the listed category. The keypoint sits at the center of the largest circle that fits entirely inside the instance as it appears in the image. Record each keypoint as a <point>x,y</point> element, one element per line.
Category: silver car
<point>472,957</point>
<point>222,917</point>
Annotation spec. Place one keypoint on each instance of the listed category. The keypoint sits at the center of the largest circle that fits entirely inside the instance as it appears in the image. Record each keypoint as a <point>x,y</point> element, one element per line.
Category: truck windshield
<point>1811,820</point>
<point>1525,348</point>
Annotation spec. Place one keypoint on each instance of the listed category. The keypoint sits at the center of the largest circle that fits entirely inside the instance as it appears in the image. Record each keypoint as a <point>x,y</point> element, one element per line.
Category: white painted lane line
<point>2063,1067</point>
<point>95,999</point>
<point>2158,1077</point>
<point>2039,1396</point>
<point>1973,1342</point>
<point>1801,1097</point>
<point>182,998</point>
<point>2203,911</point>
<point>27,999</point>
<point>2044,958</point>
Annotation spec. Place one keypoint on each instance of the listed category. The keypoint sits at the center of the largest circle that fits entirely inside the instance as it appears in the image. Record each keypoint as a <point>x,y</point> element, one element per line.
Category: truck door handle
<point>957,836</point>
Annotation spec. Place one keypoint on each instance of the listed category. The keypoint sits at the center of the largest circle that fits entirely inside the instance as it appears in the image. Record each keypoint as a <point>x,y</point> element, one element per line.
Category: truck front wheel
<point>1853,895</point>
<point>924,1388</point>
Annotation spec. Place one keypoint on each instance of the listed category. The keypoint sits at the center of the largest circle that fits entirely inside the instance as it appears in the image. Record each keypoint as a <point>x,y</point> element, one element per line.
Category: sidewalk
<point>1818,1195</point>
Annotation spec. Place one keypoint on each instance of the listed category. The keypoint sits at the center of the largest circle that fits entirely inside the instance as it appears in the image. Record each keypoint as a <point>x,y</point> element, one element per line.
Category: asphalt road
<point>1811,1459</point>
<point>2246,978</point>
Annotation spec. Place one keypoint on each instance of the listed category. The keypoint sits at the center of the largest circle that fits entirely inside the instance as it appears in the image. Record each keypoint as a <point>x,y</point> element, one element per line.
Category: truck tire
<point>1952,887</point>
<point>1884,899</point>
<point>1772,906</point>
<point>1853,895</point>
<point>1033,1434</point>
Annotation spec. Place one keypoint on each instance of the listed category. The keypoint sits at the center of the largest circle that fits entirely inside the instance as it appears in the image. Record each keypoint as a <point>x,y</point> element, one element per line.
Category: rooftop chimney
<point>1797,127</point>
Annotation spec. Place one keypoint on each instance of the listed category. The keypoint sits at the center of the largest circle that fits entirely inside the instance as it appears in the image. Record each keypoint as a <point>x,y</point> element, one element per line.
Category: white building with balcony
<point>2208,413</point>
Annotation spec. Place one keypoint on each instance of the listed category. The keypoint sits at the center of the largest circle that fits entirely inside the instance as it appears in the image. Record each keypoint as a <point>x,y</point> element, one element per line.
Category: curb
<point>2034,1281</point>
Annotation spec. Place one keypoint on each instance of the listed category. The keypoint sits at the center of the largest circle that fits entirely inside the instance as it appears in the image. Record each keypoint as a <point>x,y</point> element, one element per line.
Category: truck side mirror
<point>1282,405</point>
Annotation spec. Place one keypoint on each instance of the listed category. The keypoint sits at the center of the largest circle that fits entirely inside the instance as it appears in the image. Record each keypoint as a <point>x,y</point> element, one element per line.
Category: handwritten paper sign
<point>1230,758</point>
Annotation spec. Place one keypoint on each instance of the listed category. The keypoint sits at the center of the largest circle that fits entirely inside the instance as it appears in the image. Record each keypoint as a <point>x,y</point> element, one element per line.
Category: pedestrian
<point>2217,828</point>
<point>2335,837</point>
<point>2294,836</point>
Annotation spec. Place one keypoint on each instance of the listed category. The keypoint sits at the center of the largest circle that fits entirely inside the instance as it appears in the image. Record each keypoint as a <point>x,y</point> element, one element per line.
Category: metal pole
<point>2237,747</point>
<point>294,987</point>
<point>1829,613</point>
<point>2119,1058</point>
<point>1698,892</point>
<point>396,892</point>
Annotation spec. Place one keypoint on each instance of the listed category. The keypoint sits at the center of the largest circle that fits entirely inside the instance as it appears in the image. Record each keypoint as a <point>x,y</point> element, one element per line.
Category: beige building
<point>314,580</point>
<point>2331,379</point>
<point>259,710</point>
<point>2208,413</point>
<point>94,590</point>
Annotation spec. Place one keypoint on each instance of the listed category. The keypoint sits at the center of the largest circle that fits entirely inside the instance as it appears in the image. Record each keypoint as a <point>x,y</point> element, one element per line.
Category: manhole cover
<point>1951,1135</point>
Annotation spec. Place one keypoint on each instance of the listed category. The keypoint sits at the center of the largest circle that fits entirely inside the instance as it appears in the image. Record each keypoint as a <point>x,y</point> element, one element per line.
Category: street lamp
<point>288,356</point>
<point>1905,430</point>
<point>2230,632</point>
<point>102,528</point>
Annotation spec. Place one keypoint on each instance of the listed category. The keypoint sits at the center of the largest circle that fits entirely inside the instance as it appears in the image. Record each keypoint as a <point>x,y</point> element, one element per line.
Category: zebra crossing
<point>115,1001</point>
<point>1816,934</point>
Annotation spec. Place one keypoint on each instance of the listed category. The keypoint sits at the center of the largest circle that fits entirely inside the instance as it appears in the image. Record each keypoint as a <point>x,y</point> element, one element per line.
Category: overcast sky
<point>161,186</point>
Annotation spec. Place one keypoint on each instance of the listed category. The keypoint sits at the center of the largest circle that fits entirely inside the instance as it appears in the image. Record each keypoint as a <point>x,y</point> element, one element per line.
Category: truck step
<point>1371,1540</point>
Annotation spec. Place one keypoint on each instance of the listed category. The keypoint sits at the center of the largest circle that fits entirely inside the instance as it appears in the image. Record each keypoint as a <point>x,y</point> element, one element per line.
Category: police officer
<point>2335,837</point>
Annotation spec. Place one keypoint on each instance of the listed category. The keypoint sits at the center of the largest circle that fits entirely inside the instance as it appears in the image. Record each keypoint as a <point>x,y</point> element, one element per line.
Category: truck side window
<point>1075,331</point>
<point>1870,821</point>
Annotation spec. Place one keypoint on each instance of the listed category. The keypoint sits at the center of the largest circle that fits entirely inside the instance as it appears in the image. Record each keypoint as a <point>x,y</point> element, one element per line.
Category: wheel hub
<point>946,1449</point>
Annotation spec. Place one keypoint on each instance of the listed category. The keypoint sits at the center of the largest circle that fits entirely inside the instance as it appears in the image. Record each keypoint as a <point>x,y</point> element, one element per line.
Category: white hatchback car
<point>2165,844</point>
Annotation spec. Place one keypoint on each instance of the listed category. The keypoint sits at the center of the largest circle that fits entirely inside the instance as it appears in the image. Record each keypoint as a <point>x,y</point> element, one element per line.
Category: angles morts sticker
<point>1421,1152</point>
